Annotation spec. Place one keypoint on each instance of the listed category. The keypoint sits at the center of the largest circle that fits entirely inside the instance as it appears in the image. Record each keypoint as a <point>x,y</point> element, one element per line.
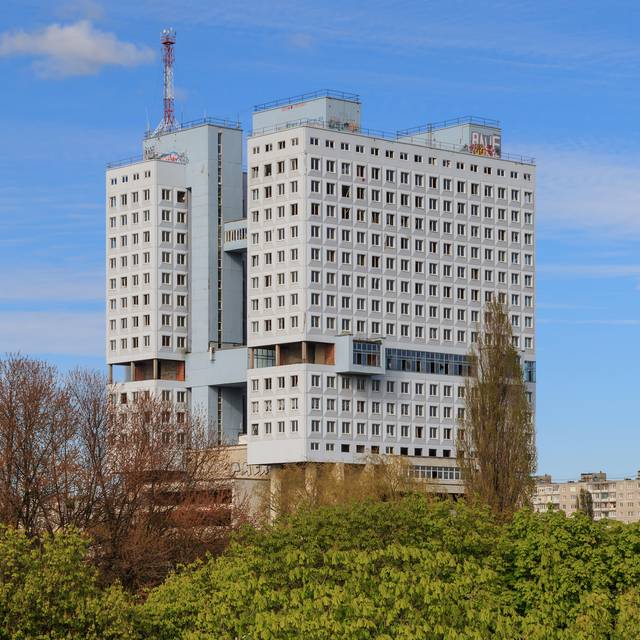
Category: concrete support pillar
<point>133,372</point>
<point>369,472</point>
<point>275,493</point>
<point>110,373</point>
<point>277,355</point>
<point>305,357</point>
<point>156,369</point>
<point>311,480</point>
<point>251,358</point>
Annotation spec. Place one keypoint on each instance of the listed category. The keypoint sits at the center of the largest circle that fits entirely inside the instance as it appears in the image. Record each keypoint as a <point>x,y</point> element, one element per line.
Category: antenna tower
<point>168,39</point>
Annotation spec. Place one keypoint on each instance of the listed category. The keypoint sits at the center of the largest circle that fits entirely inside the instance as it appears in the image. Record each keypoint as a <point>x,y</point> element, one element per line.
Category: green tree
<point>404,569</point>
<point>585,502</point>
<point>496,446</point>
<point>411,568</point>
<point>627,625</point>
<point>48,590</point>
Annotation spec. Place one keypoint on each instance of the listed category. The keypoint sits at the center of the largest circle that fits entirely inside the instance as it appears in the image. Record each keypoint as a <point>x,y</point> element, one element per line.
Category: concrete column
<point>304,351</point>
<point>156,368</point>
<point>110,373</point>
<point>311,480</point>
<point>133,372</point>
<point>275,493</point>
<point>277,355</point>
<point>251,358</point>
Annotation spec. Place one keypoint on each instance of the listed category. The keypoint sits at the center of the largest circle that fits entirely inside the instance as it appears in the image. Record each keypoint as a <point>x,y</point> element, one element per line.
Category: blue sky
<point>82,78</point>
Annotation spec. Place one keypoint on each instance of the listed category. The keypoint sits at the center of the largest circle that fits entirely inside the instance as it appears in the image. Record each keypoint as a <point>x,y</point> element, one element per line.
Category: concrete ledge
<point>221,367</point>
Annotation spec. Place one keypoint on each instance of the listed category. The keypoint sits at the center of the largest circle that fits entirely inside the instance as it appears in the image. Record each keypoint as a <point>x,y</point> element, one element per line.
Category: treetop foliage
<point>413,568</point>
<point>140,479</point>
<point>409,568</point>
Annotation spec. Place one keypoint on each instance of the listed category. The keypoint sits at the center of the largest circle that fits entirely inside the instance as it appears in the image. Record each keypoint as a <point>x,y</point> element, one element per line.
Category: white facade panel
<point>353,238</point>
<point>173,295</point>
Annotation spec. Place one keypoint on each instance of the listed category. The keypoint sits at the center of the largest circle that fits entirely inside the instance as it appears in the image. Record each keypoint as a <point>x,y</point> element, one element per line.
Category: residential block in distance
<point>616,499</point>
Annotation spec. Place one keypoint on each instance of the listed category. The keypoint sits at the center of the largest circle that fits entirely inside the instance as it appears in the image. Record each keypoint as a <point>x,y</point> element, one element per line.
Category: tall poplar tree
<point>496,445</point>
<point>585,502</point>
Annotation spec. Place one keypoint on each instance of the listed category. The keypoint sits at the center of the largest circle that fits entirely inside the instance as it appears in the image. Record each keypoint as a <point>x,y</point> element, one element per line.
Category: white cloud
<point>181,93</point>
<point>565,306</point>
<point>590,272</point>
<point>72,50</point>
<point>594,191</point>
<point>613,322</point>
<point>51,284</point>
<point>456,26</point>
<point>301,40</point>
<point>78,334</point>
<point>88,9</point>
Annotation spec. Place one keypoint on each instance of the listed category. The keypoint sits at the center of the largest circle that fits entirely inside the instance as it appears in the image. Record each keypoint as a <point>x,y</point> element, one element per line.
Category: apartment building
<point>175,295</point>
<point>613,499</point>
<point>370,257</point>
<point>329,315</point>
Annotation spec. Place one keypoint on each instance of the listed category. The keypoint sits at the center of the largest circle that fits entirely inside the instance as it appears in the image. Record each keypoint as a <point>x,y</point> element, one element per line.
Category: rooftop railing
<point>320,123</point>
<point>443,124</point>
<point>125,161</point>
<point>303,97</point>
<point>149,154</point>
<point>398,136</point>
<point>217,122</point>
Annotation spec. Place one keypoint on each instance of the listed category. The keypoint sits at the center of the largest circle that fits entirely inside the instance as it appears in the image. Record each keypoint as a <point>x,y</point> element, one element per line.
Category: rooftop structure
<point>339,110</point>
<point>306,97</point>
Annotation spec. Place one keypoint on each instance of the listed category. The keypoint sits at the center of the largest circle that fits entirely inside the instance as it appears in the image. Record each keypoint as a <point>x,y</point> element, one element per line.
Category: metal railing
<point>443,124</point>
<point>149,154</point>
<point>322,93</point>
<point>320,123</point>
<point>125,161</point>
<point>398,136</point>
<point>218,122</point>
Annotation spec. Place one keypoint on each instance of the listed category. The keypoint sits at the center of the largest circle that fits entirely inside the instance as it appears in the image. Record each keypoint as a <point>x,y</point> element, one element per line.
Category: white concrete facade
<point>174,296</point>
<point>147,249</point>
<point>397,245</point>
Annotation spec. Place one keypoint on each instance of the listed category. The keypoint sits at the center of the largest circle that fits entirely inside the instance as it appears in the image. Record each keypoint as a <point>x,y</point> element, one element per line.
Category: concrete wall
<point>202,145</point>
<point>460,136</point>
<point>233,412</point>
<point>329,110</point>
<point>311,416</point>
<point>233,298</point>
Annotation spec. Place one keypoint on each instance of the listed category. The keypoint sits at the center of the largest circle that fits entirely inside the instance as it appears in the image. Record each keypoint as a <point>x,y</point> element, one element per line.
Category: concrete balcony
<point>235,235</point>
<point>357,356</point>
<point>219,367</point>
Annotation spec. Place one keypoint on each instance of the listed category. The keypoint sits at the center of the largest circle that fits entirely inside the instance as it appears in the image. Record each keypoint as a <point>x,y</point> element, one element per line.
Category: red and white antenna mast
<point>168,39</point>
